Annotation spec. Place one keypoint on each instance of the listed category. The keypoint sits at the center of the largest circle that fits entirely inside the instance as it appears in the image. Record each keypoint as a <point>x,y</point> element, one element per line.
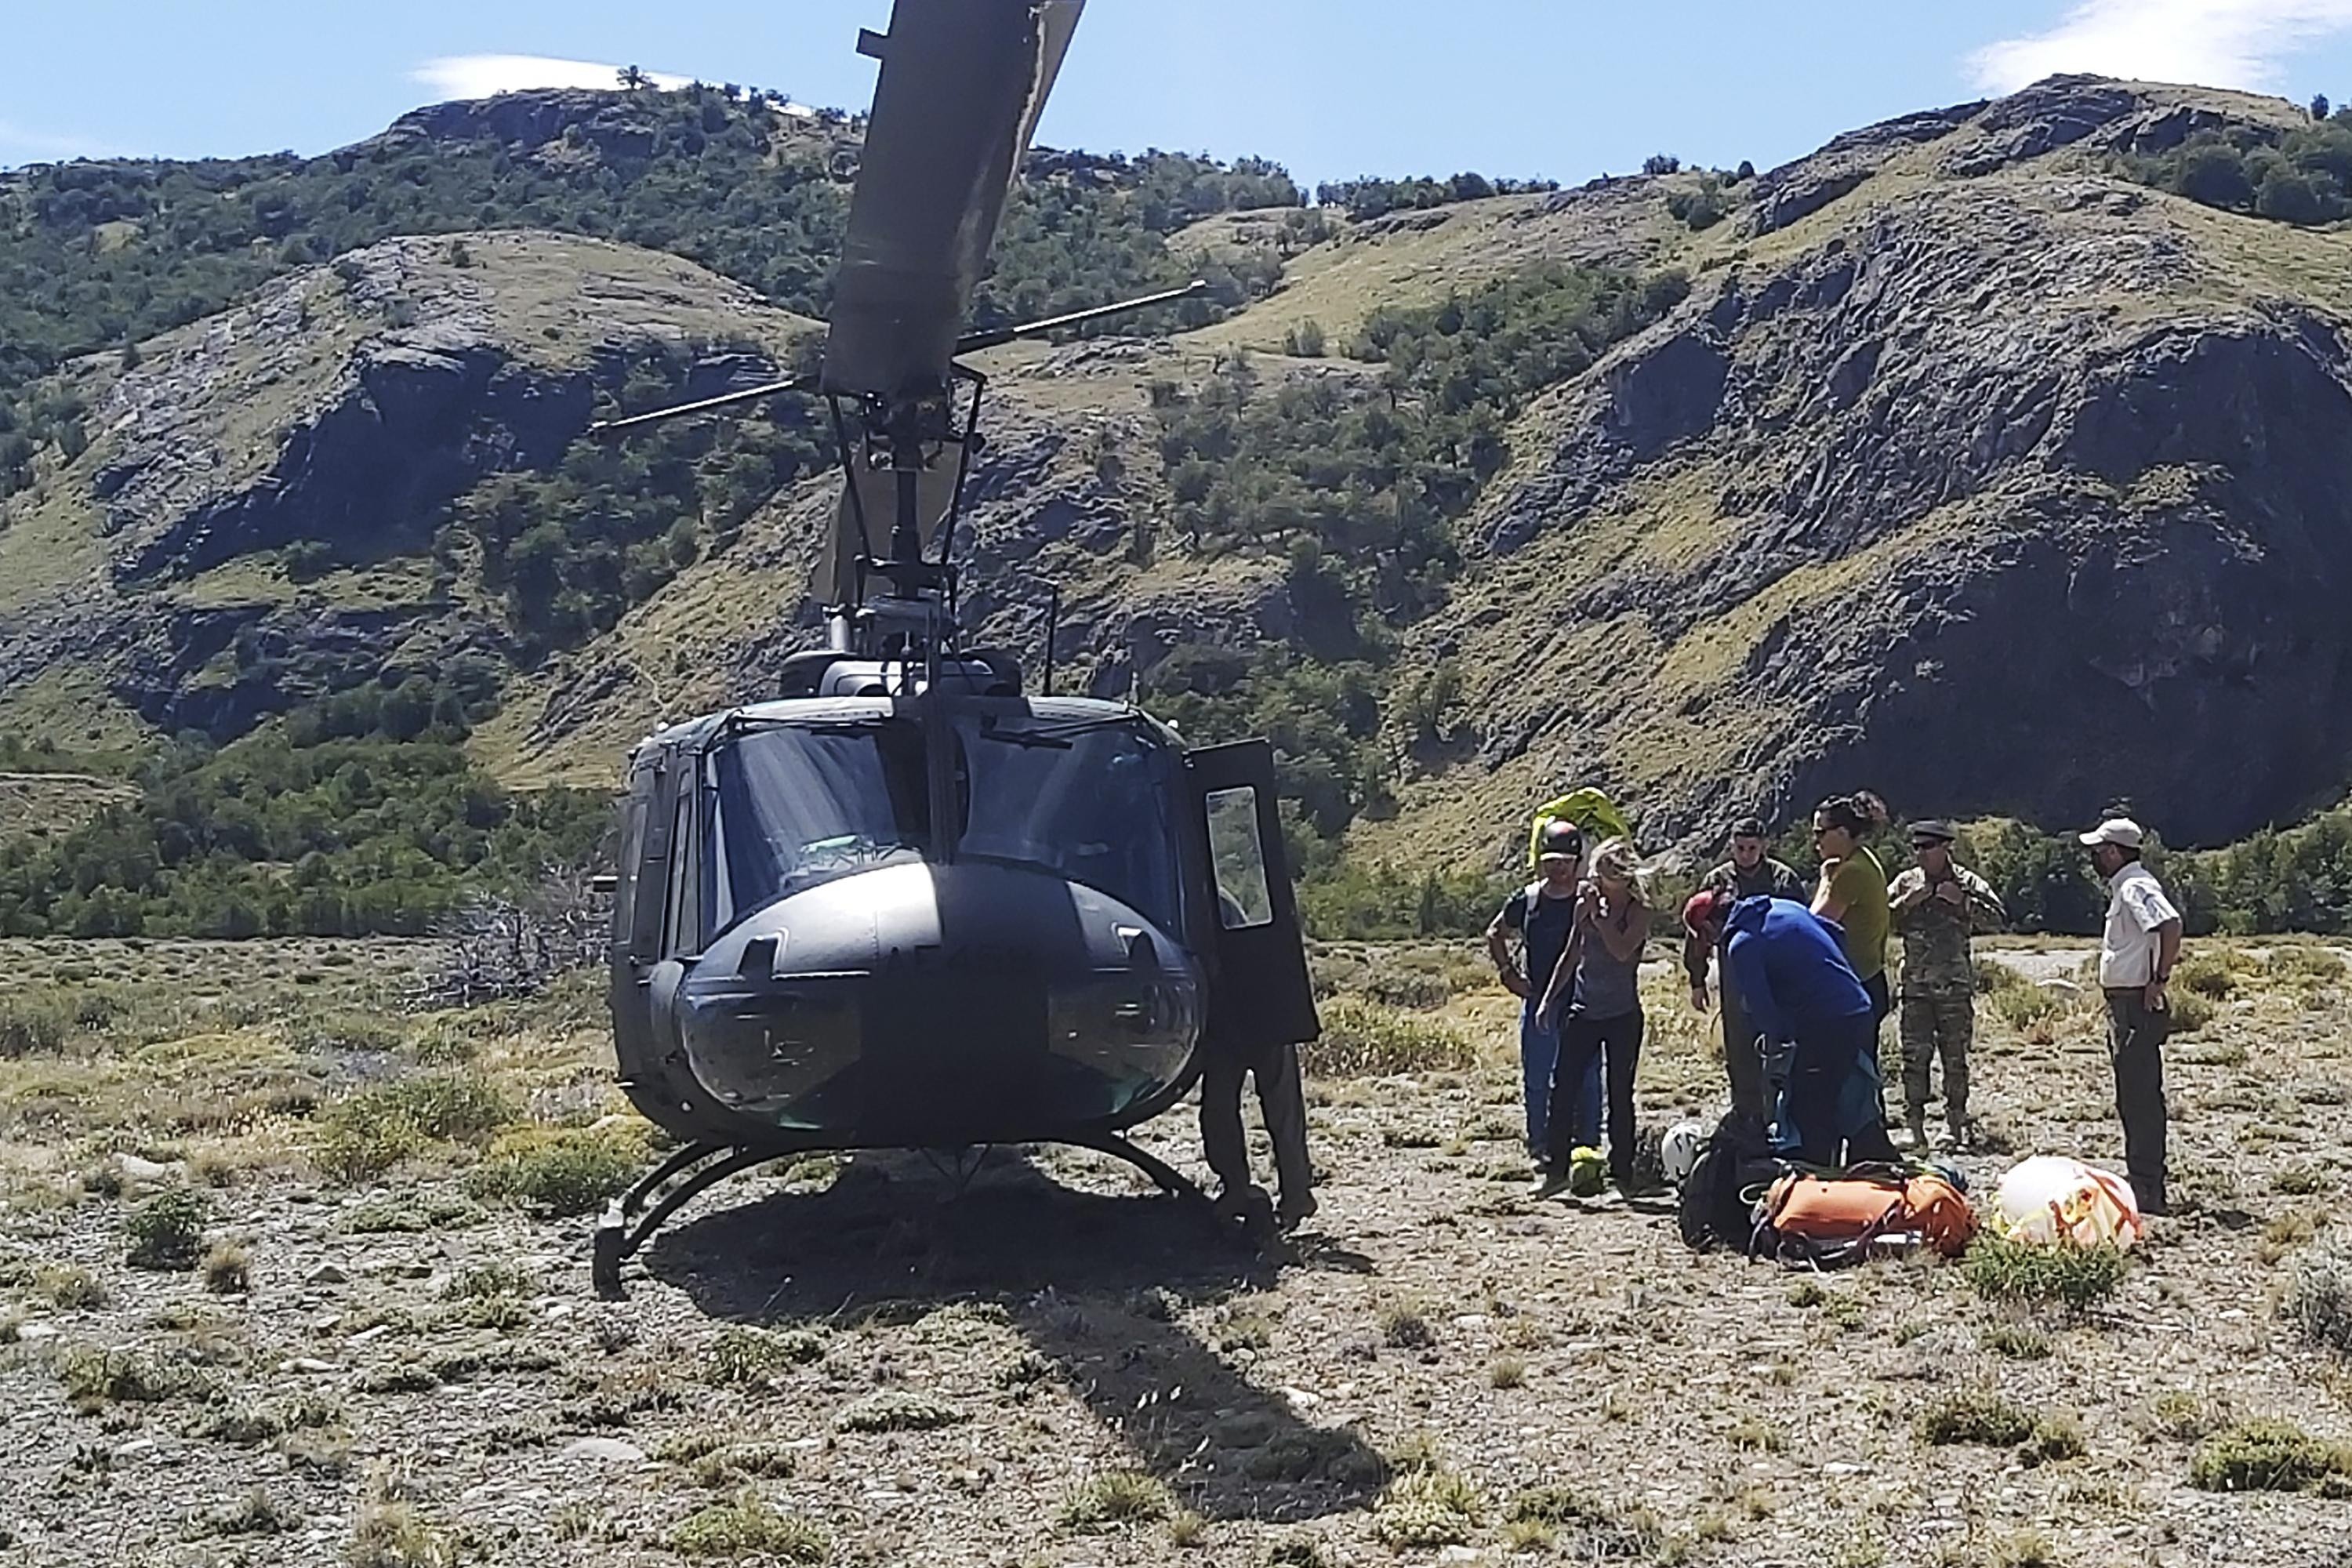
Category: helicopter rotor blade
<point>961,85</point>
<point>973,341</point>
<point>704,405</point>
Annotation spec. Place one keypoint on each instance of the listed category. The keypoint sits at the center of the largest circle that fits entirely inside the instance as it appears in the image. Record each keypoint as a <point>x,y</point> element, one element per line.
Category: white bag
<point>2051,1199</point>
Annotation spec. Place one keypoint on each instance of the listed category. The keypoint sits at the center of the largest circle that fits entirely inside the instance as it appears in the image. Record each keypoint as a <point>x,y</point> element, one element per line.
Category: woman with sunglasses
<point>1852,893</point>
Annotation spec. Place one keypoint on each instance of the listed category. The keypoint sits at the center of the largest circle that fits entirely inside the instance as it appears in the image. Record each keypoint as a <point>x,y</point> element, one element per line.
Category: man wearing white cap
<point>2135,958</point>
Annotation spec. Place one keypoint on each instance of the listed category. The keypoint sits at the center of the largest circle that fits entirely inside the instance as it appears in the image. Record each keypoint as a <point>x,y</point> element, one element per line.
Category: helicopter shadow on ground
<point>1092,1281</point>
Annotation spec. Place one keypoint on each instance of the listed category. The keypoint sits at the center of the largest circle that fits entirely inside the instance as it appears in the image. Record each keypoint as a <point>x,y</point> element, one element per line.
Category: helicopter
<point>903,901</point>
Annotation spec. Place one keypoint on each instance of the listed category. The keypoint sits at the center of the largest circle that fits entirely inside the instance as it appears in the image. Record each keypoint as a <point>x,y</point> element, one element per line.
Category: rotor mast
<point>961,85</point>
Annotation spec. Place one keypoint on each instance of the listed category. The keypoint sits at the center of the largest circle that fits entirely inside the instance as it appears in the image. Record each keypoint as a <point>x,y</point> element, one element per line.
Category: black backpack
<point>1738,1158</point>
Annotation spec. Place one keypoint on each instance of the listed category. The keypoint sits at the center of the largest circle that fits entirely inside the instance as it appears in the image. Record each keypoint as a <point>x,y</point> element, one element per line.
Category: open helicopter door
<point>1261,995</point>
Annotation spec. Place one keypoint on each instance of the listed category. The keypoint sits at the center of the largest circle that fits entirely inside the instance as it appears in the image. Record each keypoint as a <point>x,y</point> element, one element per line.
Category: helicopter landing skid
<point>695,1169</point>
<point>628,1222</point>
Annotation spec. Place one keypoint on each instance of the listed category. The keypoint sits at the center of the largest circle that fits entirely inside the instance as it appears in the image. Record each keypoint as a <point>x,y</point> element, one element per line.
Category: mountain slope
<point>1995,480</point>
<point>1957,459</point>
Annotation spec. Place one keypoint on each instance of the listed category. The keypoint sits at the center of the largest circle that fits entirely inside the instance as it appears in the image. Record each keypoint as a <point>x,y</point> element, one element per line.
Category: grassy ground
<point>359,1330</point>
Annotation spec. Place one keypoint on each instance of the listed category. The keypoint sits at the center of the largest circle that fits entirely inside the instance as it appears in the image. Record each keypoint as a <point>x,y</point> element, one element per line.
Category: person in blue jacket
<point>1805,1000</point>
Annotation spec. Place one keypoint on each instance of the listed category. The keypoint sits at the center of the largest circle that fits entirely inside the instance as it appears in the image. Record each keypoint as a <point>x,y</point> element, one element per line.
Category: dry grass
<point>747,1526</point>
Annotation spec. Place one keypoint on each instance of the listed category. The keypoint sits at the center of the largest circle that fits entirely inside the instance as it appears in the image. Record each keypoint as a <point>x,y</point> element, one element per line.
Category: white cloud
<point>2213,43</point>
<point>482,76</point>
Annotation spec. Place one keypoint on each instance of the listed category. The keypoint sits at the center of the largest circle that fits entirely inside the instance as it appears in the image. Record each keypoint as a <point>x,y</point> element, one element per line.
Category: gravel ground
<point>869,1360</point>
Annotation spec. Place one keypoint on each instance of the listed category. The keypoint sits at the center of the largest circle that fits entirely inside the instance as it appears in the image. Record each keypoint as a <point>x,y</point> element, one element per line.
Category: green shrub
<point>2319,1294</point>
<point>2016,1342</point>
<point>412,1214</point>
<point>376,1129</point>
<point>2057,1435</point>
<point>1993,975</point>
<point>744,1357</point>
<point>895,1411</point>
<point>32,1023</point>
<point>1365,1039</point>
<point>2209,973</point>
<point>564,1171</point>
<point>2317,965</point>
<point>1426,1508</point>
<point>91,1376</point>
<point>2271,1456</point>
<point>2301,1180</point>
<point>167,1231</point>
<point>2076,1277</point>
<point>229,1269</point>
<point>2191,1013</point>
<point>2022,1006</point>
<point>1974,1416</point>
<point>1120,1497</point>
<point>748,1527</point>
<point>1408,989</point>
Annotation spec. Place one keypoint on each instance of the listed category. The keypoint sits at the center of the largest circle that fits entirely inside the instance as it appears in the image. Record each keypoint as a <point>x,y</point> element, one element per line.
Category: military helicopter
<point>903,902</point>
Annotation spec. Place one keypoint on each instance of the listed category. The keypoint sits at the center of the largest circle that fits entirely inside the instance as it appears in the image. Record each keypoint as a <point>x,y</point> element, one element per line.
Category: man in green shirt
<point>1936,907</point>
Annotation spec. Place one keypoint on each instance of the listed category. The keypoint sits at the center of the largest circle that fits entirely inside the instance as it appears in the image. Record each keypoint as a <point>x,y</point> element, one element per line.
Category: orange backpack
<point>1827,1220</point>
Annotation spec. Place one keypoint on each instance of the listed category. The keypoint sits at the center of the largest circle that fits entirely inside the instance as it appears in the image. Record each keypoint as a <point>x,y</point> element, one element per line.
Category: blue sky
<point>1565,88</point>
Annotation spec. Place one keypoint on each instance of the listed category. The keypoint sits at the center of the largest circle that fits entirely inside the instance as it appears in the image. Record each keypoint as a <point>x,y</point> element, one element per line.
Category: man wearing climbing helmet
<point>1750,872</point>
<point>1936,906</point>
<point>2136,955</point>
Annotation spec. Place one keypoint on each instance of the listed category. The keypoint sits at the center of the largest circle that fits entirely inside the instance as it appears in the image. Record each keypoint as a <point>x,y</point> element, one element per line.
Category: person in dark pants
<point>2136,955</point>
<point>1803,996</point>
<point>1542,913</point>
<point>1598,980</point>
<point>1749,873</point>
<point>1283,1103</point>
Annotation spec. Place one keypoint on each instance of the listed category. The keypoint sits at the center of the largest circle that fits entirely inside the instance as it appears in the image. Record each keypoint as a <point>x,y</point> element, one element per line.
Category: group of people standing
<point>1801,980</point>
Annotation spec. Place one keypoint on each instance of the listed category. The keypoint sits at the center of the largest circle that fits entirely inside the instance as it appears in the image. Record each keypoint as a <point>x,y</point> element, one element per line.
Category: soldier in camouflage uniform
<point>1936,906</point>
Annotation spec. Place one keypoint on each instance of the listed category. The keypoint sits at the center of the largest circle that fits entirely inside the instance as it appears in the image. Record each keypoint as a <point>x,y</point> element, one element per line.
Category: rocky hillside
<point>1972,470</point>
<point>1969,467</point>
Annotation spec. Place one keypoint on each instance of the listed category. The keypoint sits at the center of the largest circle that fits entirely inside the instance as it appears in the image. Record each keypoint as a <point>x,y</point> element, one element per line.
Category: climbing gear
<point>1825,1221</point>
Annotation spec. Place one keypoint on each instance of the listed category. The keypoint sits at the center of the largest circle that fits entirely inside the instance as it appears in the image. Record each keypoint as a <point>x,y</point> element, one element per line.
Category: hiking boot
<point>1958,1138</point>
<point>1917,1123</point>
<point>1292,1211</point>
<point>1243,1203</point>
<point>1554,1183</point>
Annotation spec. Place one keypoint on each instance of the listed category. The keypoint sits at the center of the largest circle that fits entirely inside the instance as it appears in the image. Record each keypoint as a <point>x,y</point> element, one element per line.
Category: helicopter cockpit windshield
<point>791,807</point>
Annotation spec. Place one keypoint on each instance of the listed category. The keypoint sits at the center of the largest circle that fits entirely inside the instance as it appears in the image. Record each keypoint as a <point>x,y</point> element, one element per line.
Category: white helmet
<point>1679,1150</point>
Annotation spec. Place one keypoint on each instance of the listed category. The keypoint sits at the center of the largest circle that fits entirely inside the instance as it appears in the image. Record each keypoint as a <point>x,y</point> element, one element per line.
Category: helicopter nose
<point>991,1004</point>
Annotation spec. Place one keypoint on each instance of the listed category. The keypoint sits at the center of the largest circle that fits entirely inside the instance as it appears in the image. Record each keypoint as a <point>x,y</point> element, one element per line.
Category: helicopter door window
<point>680,933</point>
<point>1239,857</point>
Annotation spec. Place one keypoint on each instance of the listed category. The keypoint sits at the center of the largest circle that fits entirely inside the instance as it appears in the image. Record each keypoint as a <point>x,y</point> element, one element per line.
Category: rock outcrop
<point>349,405</point>
<point>2007,496</point>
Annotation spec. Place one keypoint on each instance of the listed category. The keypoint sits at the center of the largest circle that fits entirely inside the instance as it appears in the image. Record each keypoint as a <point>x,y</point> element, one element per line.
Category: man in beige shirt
<point>2135,958</point>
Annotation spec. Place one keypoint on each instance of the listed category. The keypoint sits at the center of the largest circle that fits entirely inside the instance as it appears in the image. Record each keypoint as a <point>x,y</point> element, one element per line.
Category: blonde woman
<point>1598,982</point>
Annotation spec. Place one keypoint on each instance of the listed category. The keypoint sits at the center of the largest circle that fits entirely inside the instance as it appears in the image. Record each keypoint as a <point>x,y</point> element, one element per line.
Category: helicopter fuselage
<point>803,957</point>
